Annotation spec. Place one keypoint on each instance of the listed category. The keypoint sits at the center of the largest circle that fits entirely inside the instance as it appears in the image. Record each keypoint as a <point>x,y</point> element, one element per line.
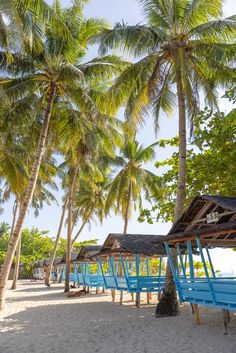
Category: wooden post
<point>197,320</point>
<point>97,290</point>
<point>103,289</point>
<point>226,315</point>
<point>148,298</point>
<point>138,300</point>
<point>113,295</point>
<point>121,297</point>
<point>132,297</point>
<point>159,295</point>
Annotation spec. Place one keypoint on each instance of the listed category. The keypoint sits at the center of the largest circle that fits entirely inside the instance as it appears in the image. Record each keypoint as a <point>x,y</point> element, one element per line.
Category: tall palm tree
<point>132,180</point>
<point>54,73</point>
<point>184,49</point>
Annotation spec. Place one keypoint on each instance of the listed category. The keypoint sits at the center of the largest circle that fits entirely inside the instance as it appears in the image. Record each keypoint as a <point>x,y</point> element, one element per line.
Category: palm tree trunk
<point>27,198</point>
<point>49,269</point>
<point>18,249</point>
<point>168,304</point>
<point>69,227</point>
<point>82,227</point>
<point>126,218</point>
<point>17,265</point>
<point>15,209</point>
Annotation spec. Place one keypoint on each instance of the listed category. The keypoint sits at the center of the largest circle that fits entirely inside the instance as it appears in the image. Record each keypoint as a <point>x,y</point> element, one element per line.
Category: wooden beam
<point>199,214</point>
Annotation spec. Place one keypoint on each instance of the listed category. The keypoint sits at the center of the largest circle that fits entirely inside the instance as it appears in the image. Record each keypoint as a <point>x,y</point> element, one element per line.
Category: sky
<point>48,219</point>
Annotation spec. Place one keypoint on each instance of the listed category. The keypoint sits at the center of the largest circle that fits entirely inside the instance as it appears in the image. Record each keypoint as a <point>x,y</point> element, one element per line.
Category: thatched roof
<point>210,217</point>
<point>130,244</point>
<point>200,207</point>
<point>87,251</point>
<point>56,261</point>
<point>39,263</point>
<point>73,257</point>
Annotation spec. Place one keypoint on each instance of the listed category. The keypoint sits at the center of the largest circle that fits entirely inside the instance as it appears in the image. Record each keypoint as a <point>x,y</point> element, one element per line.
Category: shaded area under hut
<point>209,222</point>
<point>132,263</point>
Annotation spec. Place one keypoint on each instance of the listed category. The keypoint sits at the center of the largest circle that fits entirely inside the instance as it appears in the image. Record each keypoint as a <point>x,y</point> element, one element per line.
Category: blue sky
<point>114,11</point>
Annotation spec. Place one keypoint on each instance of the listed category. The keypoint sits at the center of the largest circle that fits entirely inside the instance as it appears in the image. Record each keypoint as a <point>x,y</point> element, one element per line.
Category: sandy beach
<point>44,320</point>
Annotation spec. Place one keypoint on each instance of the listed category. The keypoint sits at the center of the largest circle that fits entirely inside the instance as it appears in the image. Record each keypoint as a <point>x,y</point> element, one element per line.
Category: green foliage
<point>211,160</point>
<point>189,37</point>
<point>35,245</point>
<point>131,179</point>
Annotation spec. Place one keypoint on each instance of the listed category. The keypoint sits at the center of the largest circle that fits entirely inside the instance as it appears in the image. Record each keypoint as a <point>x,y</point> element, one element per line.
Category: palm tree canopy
<point>189,36</point>
<point>131,175</point>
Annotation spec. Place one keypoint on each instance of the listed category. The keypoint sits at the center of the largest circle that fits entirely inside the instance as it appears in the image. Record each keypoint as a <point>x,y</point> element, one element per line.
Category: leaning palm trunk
<point>15,210</point>
<point>17,265</point>
<point>18,249</point>
<point>82,227</point>
<point>69,228</point>
<point>49,269</point>
<point>27,198</point>
<point>168,304</point>
<point>126,218</point>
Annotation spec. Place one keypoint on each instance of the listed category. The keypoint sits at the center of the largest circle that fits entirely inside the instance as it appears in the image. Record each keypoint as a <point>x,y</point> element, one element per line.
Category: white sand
<point>44,320</point>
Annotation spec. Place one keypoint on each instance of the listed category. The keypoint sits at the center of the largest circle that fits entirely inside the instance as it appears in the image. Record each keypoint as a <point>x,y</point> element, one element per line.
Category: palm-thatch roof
<point>56,261</point>
<point>130,244</point>
<point>212,218</point>
<point>87,251</point>
<point>73,257</point>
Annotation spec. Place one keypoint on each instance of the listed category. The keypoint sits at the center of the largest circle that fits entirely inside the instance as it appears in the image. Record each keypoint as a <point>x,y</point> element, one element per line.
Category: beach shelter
<point>128,263</point>
<point>208,223</point>
<point>87,270</point>
<point>38,270</point>
<point>56,262</point>
<point>61,268</point>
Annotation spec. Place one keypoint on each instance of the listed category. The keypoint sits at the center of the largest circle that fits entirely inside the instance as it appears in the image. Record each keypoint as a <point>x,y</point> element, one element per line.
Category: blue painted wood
<point>181,261</point>
<point>147,265</point>
<point>210,262</point>
<point>190,256</point>
<point>159,274</point>
<point>216,292</point>
<point>205,268</point>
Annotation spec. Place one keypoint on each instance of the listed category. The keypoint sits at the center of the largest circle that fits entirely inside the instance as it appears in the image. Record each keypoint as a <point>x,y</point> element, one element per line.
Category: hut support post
<point>113,292</point>
<point>197,320</point>
<point>181,261</point>
<point>210,262</point>
<point>137,275</point>
<point>159,278</point>
<point>206,270</point>
<point>190,256</point>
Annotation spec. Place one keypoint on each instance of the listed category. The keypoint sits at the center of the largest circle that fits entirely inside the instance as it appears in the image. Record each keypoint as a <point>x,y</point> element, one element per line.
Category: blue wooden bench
<point>212,291</point>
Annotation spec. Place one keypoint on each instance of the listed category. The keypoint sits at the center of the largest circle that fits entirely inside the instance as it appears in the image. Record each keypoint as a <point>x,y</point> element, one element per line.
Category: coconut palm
<point>54,73</point>
<point>184,49</point>
<point>132,180</point>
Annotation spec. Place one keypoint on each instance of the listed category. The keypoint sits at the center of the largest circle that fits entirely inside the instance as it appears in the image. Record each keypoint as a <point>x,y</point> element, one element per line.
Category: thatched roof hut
<point>211,218</point>
<point>87,252</point>
<point>56,261</point>
<point>130,244</point>
<point>73,257</point>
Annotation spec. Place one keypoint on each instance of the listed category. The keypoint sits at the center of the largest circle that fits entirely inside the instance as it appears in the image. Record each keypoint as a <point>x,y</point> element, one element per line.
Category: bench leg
<point>226,315</point>
<point>113,295</point>
<point>196,314</point>
<point>97,290</point>
<point>148,298</point>
<point>132,297</point>
<point>138,300</point>
<point>103,289</point>
<point>121,297</point>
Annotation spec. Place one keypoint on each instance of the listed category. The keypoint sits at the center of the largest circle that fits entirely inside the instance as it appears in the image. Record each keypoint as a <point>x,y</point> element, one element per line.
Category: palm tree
<point>132,179</point>
<point>54,73</point>
<point>184,49</point>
